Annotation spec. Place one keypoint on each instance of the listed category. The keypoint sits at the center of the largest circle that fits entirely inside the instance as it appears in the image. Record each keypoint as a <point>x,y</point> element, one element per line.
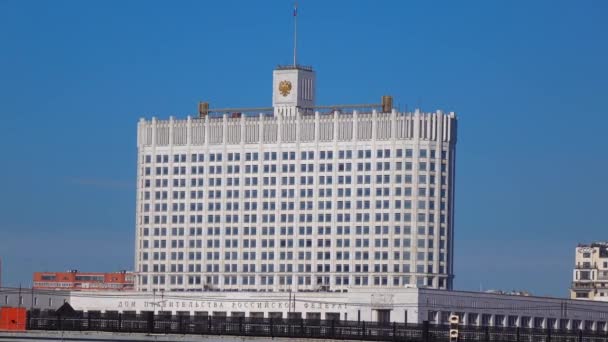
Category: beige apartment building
<point>590,276</point>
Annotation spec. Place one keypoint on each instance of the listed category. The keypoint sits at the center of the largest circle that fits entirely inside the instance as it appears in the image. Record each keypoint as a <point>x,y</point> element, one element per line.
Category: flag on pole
<point>295,9</point>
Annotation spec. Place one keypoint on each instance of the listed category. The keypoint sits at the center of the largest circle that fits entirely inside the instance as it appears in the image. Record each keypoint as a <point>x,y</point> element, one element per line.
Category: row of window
<point>289,268</point>
<point>291,168</point>
<point>322,230</point>
<point>270,255</point>
<point>291,280</point>
<point>290,243</point>
<point>304,155</point>
<point>286,206</point>
<point>513,321</point>
<point>291,193</point>
<point>290,218</point>
<point>291,181</point>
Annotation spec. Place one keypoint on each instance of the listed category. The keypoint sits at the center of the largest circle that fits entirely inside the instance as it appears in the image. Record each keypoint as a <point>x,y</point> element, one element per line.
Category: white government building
<point>295,213</point>
<point>296,197</point>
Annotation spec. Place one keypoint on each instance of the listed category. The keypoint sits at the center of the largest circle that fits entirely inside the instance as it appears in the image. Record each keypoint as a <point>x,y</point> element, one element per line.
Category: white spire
<point>295,33</point>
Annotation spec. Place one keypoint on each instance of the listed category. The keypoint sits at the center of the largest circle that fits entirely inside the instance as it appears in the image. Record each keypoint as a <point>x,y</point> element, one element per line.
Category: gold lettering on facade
<point>132,304</point>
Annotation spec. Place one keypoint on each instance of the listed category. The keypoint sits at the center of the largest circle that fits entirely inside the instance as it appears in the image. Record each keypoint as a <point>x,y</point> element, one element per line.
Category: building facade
<point>392,304</point>
<point>91,281</point>
<point>590,275</point>
<point>296,197</point>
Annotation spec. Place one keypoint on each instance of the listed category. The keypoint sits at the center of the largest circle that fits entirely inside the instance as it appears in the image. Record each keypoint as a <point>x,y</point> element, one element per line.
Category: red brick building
<point>89,281</point>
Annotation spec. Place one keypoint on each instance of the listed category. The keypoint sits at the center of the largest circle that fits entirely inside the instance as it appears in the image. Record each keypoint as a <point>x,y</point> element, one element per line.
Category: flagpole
<point>295,32</point>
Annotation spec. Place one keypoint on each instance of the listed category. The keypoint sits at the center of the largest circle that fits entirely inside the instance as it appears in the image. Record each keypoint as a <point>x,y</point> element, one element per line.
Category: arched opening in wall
<point>201,315</point>
<point>219,314</point>
<point>313,316</point>
<point>294,315</point>
<point>383,316</point>
<point>258,315</point>
<point>332,316</point>
<point>275,315</point>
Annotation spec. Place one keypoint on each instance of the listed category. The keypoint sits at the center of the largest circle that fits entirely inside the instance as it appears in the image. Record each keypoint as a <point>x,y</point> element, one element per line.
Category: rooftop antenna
<point>295,32</point>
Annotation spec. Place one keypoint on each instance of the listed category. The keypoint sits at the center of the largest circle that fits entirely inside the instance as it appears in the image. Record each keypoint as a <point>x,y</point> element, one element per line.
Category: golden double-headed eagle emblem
<point>284,87</point>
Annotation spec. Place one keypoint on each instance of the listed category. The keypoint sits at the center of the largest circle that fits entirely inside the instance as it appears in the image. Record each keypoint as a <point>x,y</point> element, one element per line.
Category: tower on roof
<point>293,85</point>
<point>293,90</point>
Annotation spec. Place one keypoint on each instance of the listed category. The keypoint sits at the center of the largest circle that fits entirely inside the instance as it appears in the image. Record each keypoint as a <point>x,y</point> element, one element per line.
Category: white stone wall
<point>28,298</point>
<point>484,309</point>
<point>410,305</point>
<point>317,128</point>
<point>401,188</point>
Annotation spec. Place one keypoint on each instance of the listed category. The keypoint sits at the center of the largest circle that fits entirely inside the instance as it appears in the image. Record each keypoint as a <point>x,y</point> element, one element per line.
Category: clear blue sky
<point>528,80</point>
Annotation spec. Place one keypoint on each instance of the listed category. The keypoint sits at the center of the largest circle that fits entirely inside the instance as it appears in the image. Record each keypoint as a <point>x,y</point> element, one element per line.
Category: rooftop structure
<point>92,281</point>
<point>590,275</point>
